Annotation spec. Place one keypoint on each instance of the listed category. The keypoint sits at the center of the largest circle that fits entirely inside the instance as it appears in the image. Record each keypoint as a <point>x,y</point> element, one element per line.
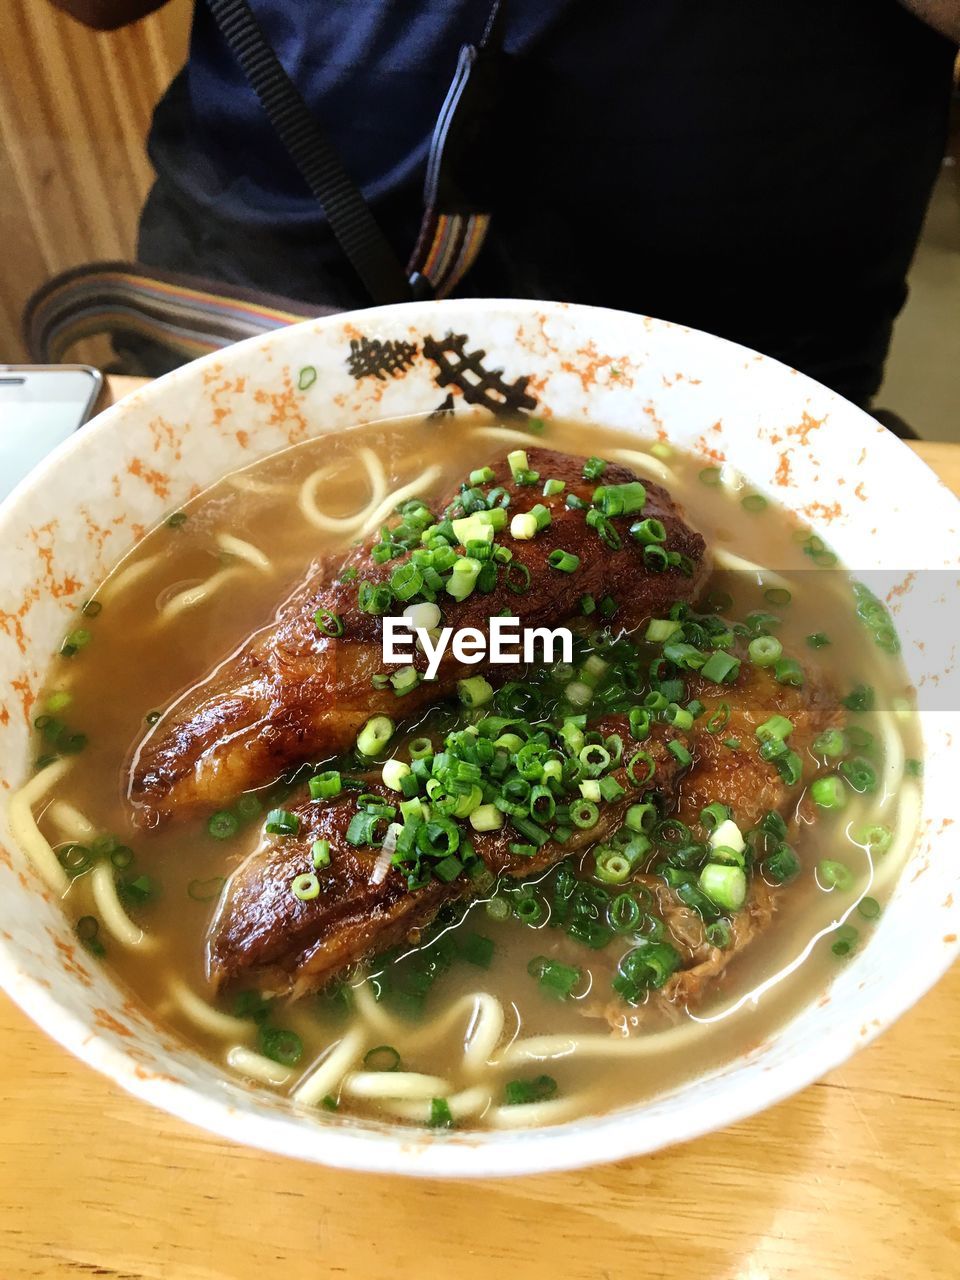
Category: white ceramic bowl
<point>878,506</point>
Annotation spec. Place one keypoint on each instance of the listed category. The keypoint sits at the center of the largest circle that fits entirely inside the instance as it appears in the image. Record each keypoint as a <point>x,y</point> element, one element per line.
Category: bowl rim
<point>474,1154</point>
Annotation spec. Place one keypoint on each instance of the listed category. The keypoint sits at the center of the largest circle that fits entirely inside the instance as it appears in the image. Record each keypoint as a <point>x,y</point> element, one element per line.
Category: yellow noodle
<point>249,484</point>
<point>325,1078</point>
<point>483,1015</point>
<point>532,1115</point>
<point>345,525</point>
<point>25,831</point>
<point>893,861</point>
<point>70,821</point>
<point>205,1016</point>
<point>645,464</point>
<point>724,559</point>
<point>245,551</point>
<point>549,1048</point>
<point>893,762</point>
<point>127,576</point>
<point>392,500</point>
<point>463,1105</point>
<point>256,1066</point>
<point>190,597</point>
<point>395,1084</point>
<point>375,1016</point>
<point>115,920</point>
<point>523,439</point>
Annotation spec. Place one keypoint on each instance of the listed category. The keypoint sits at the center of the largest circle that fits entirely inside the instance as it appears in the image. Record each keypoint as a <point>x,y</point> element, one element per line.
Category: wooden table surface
<point>857,1177</point>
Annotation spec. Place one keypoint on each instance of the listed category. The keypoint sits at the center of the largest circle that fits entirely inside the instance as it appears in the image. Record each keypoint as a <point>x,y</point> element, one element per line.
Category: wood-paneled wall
<point>75,106</point>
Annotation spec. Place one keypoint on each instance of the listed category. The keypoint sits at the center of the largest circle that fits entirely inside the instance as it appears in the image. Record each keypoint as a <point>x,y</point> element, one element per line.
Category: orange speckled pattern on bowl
<point>878,506</point>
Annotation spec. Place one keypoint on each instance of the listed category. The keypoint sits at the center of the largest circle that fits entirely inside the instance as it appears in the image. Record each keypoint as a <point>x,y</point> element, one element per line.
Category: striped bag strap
<point>187,315</point>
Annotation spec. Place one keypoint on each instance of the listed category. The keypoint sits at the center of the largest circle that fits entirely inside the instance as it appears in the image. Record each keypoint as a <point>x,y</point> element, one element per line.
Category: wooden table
<point>857,1177</point>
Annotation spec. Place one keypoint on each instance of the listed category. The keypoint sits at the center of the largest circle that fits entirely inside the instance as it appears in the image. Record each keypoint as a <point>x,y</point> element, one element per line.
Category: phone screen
<point>39,408</point>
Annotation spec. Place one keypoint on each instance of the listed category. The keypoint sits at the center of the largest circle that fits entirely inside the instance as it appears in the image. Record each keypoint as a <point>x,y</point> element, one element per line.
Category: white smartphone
<point>40,405</point>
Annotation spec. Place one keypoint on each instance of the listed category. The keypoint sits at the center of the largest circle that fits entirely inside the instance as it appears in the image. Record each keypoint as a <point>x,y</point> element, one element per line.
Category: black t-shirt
<point>757,168</point>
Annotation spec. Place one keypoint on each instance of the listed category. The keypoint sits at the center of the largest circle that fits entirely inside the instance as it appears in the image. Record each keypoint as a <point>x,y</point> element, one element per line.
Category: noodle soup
<point>648,954</point>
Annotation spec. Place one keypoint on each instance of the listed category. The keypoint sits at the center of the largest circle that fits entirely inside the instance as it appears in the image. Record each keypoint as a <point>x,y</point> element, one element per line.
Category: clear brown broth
<point>133,665</point>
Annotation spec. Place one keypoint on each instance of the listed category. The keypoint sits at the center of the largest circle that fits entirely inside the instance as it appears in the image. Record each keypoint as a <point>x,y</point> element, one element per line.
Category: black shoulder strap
<point>347,212</point>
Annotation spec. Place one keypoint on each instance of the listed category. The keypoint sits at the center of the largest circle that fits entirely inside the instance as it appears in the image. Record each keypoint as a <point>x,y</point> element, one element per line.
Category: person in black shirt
<point>756,168</point>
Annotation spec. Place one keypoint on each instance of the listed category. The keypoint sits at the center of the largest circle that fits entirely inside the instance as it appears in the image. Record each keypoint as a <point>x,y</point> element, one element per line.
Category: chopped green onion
<point>710,476</point>
<point>641,758</point>
<point>718,933</point>
<point>828,792</point>
<point>782,865</point>
<point>861,698</point>
<point>305,887</point>
<point>477,950</point>
<point>441,1116</point>
<point>463,578</point>
<point>206,890</point>
<point>393,773</point>
<point>621,499</point>
<point>474,692</point>
<point>754,502</point>
<point>846,940</point>
<point>724,884</point>
<point>713,815</point>
<point>517,578</point>
<point>680,752</point>
<point>306,377</point>
<point>331,624</point>
<point>522,1092</point>
<point>788,671</point>
<point>223,825</point>
<point>280,822</point>
<point>555,978</point>
<point>649,532</point>
<point>320,852</point>
<point>486,817</point>
<point>383,1057</point>
<point>248,806</point>
<point>74,642</point>
<point>640,817</point>
<point>869,908</point>
<point>611,867</point>
<point>553,487</point>
<point>87,930</point>
<point>483,475</point>
<point>876,839</point>
<point>818,640</point>
<point>374,736</point>
<point>324,786</point>
<point>720,668</point>
<point>517,460</point>
<point>594,468</point>
<point>834,875</point>
<point>777,727</point>
<point>790,768</point>
<point>565,561</point>
<point>829,743</point>
<point>75,858</point>
<point>280,1045</point>
<point>859,774</point>
<point>764,650</point>
<point>623,913</point>
<point>584,814</point>
<point>777,596</point>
